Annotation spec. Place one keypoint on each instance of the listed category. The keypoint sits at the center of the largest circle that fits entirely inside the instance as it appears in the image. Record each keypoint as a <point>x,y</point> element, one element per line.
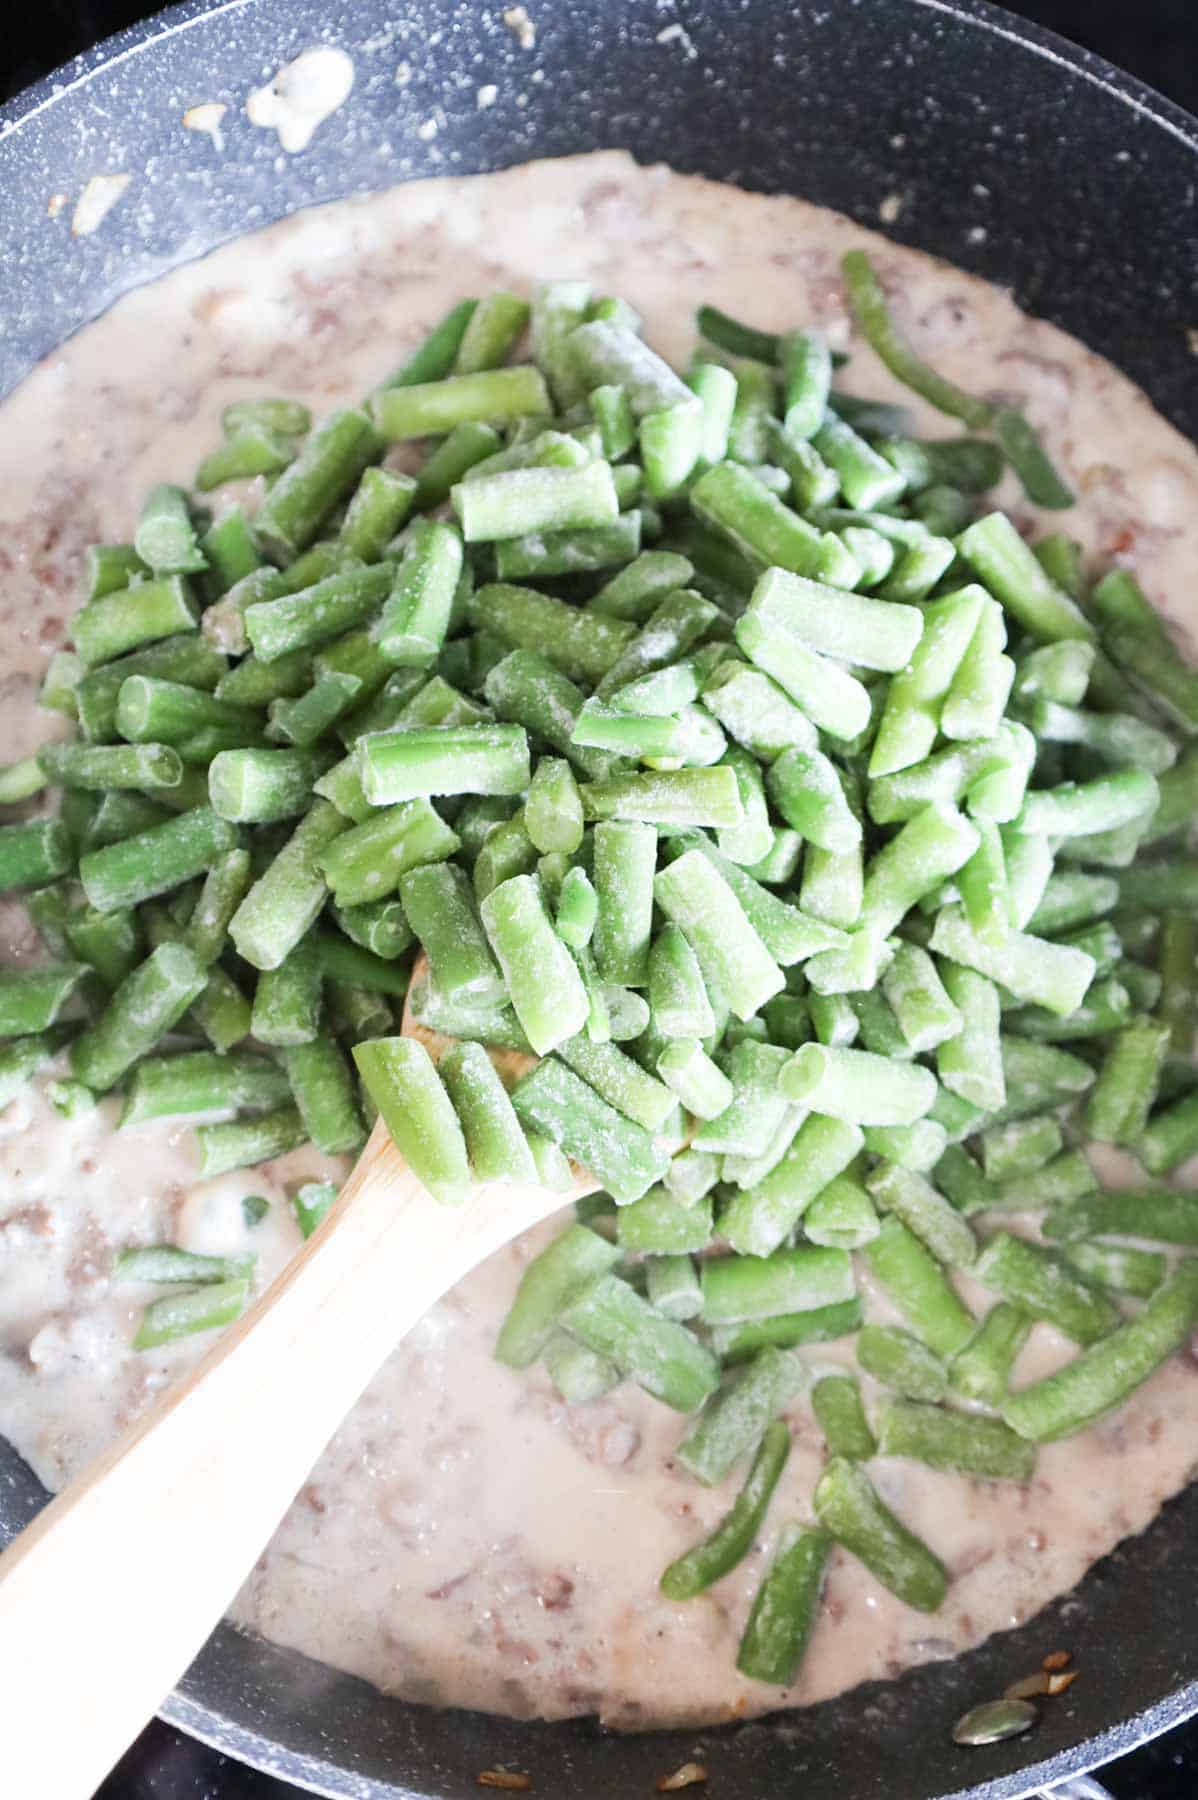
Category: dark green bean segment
<point>955,1441</point>
<point>848,1507</point>
<point>785,1607</point>
<point>840,1415</point>
<point>732,1538</point>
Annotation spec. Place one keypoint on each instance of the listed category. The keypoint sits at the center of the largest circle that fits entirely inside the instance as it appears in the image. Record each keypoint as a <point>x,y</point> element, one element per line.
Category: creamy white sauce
<point>467,1538</point>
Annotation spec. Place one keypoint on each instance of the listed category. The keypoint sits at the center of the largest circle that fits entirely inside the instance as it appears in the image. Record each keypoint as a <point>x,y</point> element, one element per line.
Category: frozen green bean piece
<point>818,1325</point>
<point>981,1370</point>
<point>969,1064</point>
<point>849,1508</point>
<point>678,998</point>
<point>142,1010</point>
<point>402,1080</point>
<point>981,686</point>
<point>1117,738</point>
<point>734,1420</point>
<point>111,943</point>
<point>31,999</point>
<point>1012,1151</point>
<point>1080,808</point>
<point>380,504</point>
<point>544,985</point>
<point>833,700</point>
<point>34,854</point>
<point>619,1080</point>
<point>1170,1137</point>
<point>658,1224</point>
<point>806,789</point>
<point>834,1019</point>
<point>955,1442</point>
<point>919,1287</point>
<point>416,616</point>
<point>131,617</point>
<point>325,471</point>
<point>691,1174</point>
<point>921,1005</point>
<point>1104,1374</point>
<point>324,1093</point>
<point>933,845</point>
<point>285,900</point>
<point>806,364</point>
<point>842,1216</point>
<point>152,862</point>
<point>182,1315</point>
<point>1028,861</point>
<point>734,960</point>
<point>840,1415</point>
<point>958,772</point>
<point>1072,898</point>
<point>625,855</point>
<point>672,1286</point>
<point>443,759</point>
<point>553,810</point>
<point>1121,1267</point>
<point>495,1140</point>
<point>201,1081</point>
<point>873,634</point>
<point>937,1224</point>
<point>1178,963</point>
<point>581,644</point>
<point>911,716</point>
<point>1121,1099</point>
<point>856,1086</point>
<point>313,616</point>
<point>517,502</point>
<point>756,712</point>
<point>439,906</point>
<point>637,590</point>
<point>676,623</point>
<point>259,787</point>
<point>578,1374</point>
<point>577,909</point>
<point>368,862</point>
<point>288,999</point>
<point>785,1607</point>
<point>701,1087</point>
<point>732,1538</point>
<point>707,796</point>
<point>507,850</point>
<point>1030,968</point>
<point>759,1218</point>
<point>1162,1215</point>
<point>1006,565</point>
<point>165,538</point>
<point>1038,1282</point>
<point>899,1360</point>
<point>555,1276</point>
<point>658,1353</point>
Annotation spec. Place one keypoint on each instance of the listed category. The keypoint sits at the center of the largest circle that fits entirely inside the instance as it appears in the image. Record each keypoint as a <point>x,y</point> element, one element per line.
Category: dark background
<point>1155,39</point>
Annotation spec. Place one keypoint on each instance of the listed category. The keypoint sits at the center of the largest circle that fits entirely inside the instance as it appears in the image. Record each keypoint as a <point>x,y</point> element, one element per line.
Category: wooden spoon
<point>108,1595</point>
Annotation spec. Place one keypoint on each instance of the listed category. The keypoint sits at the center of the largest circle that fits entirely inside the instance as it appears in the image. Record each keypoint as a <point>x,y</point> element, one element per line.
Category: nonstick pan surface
<point>1018,158</point>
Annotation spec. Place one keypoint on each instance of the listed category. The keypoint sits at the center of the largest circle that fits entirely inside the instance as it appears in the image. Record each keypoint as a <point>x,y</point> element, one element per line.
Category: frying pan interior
<point>1082,184</point>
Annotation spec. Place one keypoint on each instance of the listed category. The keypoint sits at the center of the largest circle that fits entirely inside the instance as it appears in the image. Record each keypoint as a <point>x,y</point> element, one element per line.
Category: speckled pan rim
<point>255,1747</point>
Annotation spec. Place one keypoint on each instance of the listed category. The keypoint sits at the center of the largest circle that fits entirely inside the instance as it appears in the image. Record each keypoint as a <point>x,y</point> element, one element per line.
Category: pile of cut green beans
<point>718,741</point>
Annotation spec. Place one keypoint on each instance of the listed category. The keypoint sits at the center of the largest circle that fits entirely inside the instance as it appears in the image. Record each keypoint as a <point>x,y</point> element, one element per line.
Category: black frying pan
<point>1085,182</point>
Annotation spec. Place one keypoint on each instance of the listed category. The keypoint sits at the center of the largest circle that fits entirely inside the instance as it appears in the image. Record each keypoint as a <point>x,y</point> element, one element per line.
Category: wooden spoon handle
<point>108,1595</point>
